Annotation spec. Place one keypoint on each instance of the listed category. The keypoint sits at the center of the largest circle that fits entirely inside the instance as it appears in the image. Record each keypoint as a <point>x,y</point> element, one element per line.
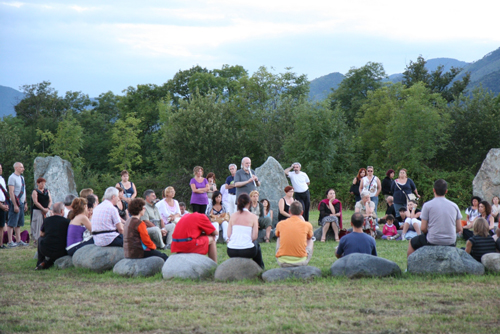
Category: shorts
<point>412,221</point>
<point>421,241</point>
<point>297,264</point>
<point>16,219</point>
<point>197,246</point>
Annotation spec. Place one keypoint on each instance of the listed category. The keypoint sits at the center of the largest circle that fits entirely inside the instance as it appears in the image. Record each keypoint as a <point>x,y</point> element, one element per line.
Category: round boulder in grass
<point>359,265</point>
<point>96,258</point>
<point>443,260</point>
<point>139,267</point>
<point>188,266</point>
<point>237,268</point>
<point>302,273</point>
<point>64,262</point>
<point>491,261</point>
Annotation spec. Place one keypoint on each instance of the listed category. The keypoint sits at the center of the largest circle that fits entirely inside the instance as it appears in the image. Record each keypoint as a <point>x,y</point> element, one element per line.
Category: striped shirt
<point>481,246</point>
<point>105,218</point>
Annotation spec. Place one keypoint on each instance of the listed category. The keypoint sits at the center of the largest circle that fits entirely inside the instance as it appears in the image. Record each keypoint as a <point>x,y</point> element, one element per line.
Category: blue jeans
<point>16,219</point>
<point>397,207</point>
<point>374,199</point>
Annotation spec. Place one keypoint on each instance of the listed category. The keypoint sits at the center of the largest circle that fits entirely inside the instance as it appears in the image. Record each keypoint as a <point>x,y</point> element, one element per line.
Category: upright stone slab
<point>359,265</point>
<point>272,184</point>
<point>59,176</point>
<point>236,269</point>
<point>139,267</point>
<point>96,258</point>
<point>190,266</point>
<point>486,184</point>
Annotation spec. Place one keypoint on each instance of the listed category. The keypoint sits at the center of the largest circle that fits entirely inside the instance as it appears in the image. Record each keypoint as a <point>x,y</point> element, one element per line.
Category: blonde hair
<point>167,190</point>
<point>196,169</point>
<point>481,227</point>
<point>253,192</point>
<point>85,192</point>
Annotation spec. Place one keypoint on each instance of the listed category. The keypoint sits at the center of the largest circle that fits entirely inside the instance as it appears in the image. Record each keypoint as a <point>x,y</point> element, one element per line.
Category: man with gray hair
<point>107,228</point>
<point>67,204</point>
<point>231,189</point>
<point>300,184</point>
<point>155,225</point>
<point>245,179</point>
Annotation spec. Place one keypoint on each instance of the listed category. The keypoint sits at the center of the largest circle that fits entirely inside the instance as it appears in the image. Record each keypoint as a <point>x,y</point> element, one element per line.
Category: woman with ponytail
<point>80,228</point>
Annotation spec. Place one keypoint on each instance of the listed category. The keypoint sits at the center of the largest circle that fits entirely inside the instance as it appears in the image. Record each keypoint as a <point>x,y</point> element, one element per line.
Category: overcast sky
<point>97,46</point>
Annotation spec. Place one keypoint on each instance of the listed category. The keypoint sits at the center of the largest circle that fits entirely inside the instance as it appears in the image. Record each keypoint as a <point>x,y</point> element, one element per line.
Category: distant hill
<point>322,86</point>
<point>9,97</point>
<point>448,63</point>
<point>485,72</point>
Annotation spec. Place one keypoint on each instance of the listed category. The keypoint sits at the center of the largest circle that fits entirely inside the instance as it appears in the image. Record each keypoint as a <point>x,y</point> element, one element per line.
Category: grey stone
<point>96,258</point>
<point>59,176</point>
<point>237,268</point>
<point>272,184</point>
<point>443,260</point>
<point>491,261</point>
<point>302,273</point>
<point>139,267</point>
<point>262,234</point>
<point>190,266</point>
<point>486,184</point>
<point>359,265</point>
<point>64,262</point>
<point>329,234</point>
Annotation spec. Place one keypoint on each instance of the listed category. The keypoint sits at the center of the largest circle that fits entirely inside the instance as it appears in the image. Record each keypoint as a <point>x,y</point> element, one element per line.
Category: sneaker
<point>3,246</point>
<point>11,245</point>
<point>22,243</point>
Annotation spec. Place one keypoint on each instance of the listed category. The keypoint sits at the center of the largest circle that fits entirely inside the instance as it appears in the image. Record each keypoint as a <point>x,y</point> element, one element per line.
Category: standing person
<point>357,241</point>
<point>199,187</point>
<point>356,182</point>
<point>257,208</point>
<point>401,189</point>
<point>122,205</point>
<point>300,183</point>
<point>387,183</point>
<point>231,189</point>
<point>212,186</point>
<point>242,231</point>
<point>372,184</point>
<point>18,205</point>
<point>129,190</point>
<point>245,179</point>
<point>42,201</point>
<point>4,205</point>
<point>330,214</point>
<point>107,229</point>
<point>441,221</point>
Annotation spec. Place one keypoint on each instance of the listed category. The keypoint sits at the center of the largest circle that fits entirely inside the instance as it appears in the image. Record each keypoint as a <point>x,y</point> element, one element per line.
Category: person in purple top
<point>199,186</point>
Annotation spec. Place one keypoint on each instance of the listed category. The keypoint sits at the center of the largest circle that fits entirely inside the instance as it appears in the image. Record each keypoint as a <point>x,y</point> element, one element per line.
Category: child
<point>390,232</point>
<point>482,242</point>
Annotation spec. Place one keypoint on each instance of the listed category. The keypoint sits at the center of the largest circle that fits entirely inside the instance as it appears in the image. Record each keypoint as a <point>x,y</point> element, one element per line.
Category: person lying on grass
<point>357,241</point>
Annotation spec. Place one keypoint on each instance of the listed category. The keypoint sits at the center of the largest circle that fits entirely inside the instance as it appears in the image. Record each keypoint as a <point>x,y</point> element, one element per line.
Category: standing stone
<point>486,184</point>
<point>59,176</point>
<point>272,184</point>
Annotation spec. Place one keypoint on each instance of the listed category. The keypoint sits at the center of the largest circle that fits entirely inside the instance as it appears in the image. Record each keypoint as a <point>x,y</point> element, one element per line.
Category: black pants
<point>253,253</point>
<point>48,256</point>
<point>117,242</point>
<point>305,199</point>
<point>199,208</point>
<point>155,253</point>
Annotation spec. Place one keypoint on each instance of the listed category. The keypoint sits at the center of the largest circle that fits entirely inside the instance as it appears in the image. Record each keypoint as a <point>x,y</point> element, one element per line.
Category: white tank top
<point>241,238</point>
<point>373,185</point>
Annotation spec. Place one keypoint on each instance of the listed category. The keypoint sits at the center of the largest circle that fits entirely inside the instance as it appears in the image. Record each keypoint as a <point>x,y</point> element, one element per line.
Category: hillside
<point>322,86</point>
<point>485,72</point>
<point>9,97</point>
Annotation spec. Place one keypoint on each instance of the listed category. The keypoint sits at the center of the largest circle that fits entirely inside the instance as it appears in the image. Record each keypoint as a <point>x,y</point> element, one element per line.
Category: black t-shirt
<point>56,233</point>
<point>390,211</point>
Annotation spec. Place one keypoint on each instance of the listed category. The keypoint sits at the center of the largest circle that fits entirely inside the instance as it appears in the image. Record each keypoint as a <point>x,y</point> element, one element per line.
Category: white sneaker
<point>12,244</point>
<point>22,243</point>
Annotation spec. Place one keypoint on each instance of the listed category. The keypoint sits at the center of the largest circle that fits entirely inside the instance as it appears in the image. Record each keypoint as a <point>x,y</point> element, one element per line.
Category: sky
<point>99,46</point>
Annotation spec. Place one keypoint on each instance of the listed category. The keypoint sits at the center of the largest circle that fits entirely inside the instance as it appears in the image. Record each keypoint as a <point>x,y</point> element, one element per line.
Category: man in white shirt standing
<point>300,184</point>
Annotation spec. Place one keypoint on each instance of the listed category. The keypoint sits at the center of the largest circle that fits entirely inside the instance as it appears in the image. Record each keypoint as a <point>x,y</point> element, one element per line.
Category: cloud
<point>13,4</point>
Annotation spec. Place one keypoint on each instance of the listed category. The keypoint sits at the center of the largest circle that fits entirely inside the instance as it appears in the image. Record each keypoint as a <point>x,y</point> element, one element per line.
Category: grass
<point>80,301</point>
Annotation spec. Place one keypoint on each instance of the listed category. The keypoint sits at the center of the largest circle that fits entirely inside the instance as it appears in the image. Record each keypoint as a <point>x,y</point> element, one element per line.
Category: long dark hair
<point>243,201</point>
<point>215,195</point>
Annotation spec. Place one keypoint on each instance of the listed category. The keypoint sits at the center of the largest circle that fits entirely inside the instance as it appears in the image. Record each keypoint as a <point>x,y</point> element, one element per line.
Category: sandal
<point>323,239</point>
<point>266,239</point>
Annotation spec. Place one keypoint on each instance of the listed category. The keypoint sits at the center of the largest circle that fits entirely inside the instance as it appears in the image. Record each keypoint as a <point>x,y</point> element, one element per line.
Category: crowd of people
<point>143,226</point>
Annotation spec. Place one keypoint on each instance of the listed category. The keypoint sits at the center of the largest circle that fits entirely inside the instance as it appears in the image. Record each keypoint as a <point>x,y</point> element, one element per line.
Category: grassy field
<point>80,301</point>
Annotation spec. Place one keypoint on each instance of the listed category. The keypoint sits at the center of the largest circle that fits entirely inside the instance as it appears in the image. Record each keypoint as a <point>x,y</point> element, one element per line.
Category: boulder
<point>272,184</point>
<point>64,262</point>
<point>486,184</point>
<point>262,234</point>
<point>359,265</point>
<point>236,269</point>
<point>330,236</point>
<point>96,258</point>
<point>190,266</point>
<point>59,176</point>
<point>302,273</point>
<point>443,260</point>
<point>491,261</point>
<point>139,267</point>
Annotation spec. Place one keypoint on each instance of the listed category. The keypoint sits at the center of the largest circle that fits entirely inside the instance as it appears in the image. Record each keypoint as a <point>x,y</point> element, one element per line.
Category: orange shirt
<point>293,233</point>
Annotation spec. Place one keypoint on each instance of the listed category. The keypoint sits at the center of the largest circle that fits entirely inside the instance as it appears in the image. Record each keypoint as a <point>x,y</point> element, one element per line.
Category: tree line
<point>428,124</point>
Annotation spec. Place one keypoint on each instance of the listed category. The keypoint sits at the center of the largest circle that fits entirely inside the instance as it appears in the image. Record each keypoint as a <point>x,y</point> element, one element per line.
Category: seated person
<point>257,209</point>
<point>399,221</point>
<point>412,221</point>
<point>481,242</point>
<point>484,211</point>
<point>136,241</point>
<point>218,214</point>
<point>390,231</point>
<point>295,244</point>
<point>330,214</point>
<point>182,207</point>
<point>390,207</point>
<point>243,231</point>
<point>107,228</point>
<point>156,227</point>
<point>194,233</point>
<point>53,235</point>
<point>357,241</point>
<point>367,208</point>
<point>80,228</point>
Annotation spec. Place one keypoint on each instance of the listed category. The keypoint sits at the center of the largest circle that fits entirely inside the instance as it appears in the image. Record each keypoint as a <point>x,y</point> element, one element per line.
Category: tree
<point>353,90</point>
<point>68,141</point>
<point>125,143</point>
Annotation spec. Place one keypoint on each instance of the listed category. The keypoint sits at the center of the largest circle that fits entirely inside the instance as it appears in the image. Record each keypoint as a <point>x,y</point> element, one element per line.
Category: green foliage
<point>67,143</point>
<point>126,148</point>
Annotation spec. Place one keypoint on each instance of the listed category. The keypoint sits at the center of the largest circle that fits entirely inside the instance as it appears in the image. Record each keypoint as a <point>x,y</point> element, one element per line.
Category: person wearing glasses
<point>371,183</point>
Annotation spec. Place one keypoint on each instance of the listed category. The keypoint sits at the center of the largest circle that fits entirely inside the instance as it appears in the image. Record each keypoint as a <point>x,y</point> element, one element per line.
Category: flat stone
<point>359,265</point>
<point>188,266</point>
<point>59,175</point>
<point>236,269</point>
<point>443,260</point>
<point>302,273</point>
<point>64,262</point>
<point>491,261</point>
<point>96,258</point>
<point>486,183</point>
<point>139,267</point>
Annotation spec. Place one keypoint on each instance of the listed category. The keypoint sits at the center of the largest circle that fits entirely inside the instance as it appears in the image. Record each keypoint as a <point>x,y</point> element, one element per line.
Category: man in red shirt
<point>194,233</point>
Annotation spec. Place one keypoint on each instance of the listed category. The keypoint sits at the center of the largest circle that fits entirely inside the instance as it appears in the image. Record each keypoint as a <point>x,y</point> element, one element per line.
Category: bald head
<point>58,209</point>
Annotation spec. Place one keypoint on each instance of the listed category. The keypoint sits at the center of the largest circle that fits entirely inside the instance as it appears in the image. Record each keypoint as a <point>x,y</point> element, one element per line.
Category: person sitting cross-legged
<point>357,241</point>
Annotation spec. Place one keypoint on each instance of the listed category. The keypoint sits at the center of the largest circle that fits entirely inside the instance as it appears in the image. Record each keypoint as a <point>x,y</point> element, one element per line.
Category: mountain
<point>447,63</point>
<point>485,72</point>
<point>9,97</point>
<point>322,86</point>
